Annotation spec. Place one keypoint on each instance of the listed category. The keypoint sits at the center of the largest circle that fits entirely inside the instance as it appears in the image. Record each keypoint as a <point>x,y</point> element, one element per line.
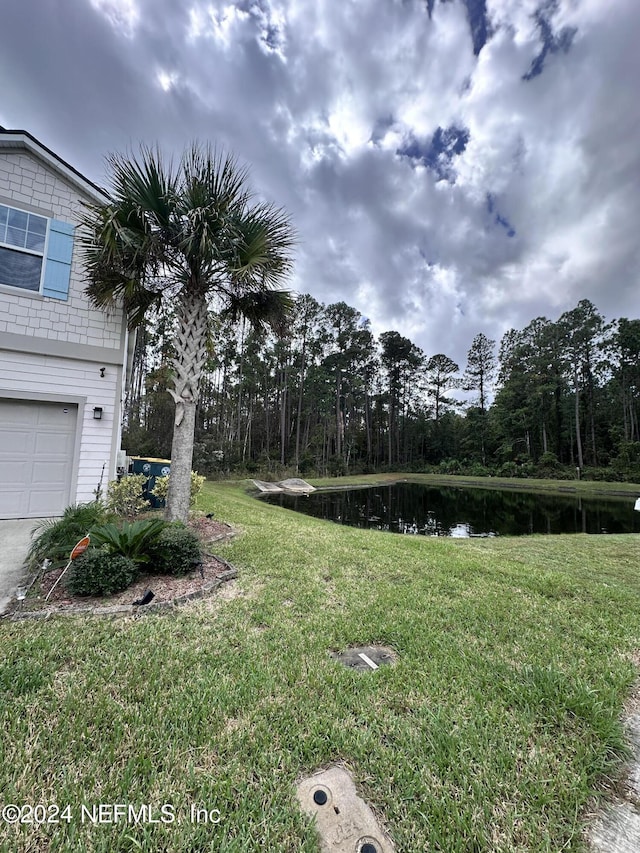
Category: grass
<point>491,733</point>
<point>580,487</point>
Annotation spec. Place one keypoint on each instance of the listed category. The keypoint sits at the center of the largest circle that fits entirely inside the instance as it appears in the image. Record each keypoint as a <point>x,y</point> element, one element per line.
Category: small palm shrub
<point>161,488</point>
<point>97,572</point>
<point>55,537</point>
<point>129,539</point>
<point>124,497</point>
<point>176,551</point>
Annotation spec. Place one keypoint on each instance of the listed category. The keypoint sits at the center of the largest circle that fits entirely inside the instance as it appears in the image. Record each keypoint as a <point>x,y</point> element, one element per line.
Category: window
<point>22,242</point>
<point>24,237</point>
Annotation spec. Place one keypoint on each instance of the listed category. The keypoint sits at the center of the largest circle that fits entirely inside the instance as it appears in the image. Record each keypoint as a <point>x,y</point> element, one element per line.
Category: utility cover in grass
<point>366,658</point>
<point>345,823</point>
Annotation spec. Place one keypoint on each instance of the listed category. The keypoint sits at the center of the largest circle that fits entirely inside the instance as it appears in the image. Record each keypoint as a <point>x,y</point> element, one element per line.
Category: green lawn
<point>560,487</point>
<point>492,731</point>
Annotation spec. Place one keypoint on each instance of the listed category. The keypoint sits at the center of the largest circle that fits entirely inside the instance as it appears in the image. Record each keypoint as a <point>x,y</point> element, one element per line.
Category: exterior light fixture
<point>102,370</point>
<point>97,413</point>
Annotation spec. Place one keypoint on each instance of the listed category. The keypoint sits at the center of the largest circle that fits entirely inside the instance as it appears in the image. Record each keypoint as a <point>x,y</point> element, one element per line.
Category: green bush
<point>129,539</point>
<point>161,488</point>
<point>337,466</point>
<point>176,551</point>
<point>55,537</point>
<point>97,572</point>
<point>449,466</point>
<point>600,474</point>
<point>477,469</point>
<point>125,497</point>
<point>525,470</point>
<point>549,460</point>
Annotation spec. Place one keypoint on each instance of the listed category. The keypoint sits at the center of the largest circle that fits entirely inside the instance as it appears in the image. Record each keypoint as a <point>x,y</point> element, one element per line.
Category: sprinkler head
<point>320,797</point>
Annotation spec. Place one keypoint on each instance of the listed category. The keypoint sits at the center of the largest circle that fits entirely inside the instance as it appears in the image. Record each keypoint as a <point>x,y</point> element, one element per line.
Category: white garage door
<point>37,443</point>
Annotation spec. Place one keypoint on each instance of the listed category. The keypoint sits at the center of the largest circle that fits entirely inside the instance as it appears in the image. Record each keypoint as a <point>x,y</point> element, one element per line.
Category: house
<point>62,362</point>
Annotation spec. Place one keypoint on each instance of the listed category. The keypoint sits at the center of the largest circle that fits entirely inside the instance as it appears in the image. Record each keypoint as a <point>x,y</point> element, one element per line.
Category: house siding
<point>66,380</point>
<point>25,182</point>
<point>29,322</point>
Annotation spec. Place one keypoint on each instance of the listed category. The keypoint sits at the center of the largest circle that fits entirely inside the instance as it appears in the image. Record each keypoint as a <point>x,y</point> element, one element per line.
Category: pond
<point>413,508</point>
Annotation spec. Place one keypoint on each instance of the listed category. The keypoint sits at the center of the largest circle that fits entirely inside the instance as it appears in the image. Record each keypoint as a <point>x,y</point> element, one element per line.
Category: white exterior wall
<point>27,183</point>
<point>54,349</point>
<point>66,379</point>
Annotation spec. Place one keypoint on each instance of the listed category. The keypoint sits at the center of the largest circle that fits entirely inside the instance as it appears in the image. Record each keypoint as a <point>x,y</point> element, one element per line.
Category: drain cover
<point>366,658</point>
<point>344,821</point>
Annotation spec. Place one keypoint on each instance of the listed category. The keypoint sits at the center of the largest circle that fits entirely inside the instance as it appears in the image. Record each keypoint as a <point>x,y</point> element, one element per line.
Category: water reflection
<point>413,509</point>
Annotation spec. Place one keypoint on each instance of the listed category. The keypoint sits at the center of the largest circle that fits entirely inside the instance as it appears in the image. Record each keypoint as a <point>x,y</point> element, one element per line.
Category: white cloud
<point>123,15</point>
<point>319,96</point>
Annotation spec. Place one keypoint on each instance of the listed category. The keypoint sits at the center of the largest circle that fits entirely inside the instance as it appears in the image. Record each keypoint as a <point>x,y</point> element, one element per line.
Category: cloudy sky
<point>451,166</point>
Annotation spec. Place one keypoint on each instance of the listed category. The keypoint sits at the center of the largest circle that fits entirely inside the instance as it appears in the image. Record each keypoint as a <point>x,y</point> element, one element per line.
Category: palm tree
<point>192,234</point>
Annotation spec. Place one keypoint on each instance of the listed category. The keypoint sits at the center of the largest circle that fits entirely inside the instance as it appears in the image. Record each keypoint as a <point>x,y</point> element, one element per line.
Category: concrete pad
<point>295,484</point>
<point>15,538</point>
<point>616,826</point>
<point>632,728</point>
<point>617,830</point>
<point>266,487</point>
<point>344,821</point>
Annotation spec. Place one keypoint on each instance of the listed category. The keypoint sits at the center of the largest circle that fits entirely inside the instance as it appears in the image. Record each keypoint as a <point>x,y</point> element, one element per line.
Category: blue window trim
<point>57,261</point>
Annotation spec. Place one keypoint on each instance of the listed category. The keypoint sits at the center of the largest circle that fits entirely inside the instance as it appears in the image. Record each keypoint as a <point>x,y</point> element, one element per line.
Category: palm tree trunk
<point>191,355</point>
<point>181,457</point>
<point>240,378</point>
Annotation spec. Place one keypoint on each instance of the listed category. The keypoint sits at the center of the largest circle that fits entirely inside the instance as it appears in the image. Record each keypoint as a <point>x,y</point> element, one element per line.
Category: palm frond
<point>263,251</point>
<point>263,309</point>
<point>144,186</point>
<point>192,225</point>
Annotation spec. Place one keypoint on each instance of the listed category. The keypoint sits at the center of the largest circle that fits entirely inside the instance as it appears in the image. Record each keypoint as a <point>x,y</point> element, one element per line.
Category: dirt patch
<point>230,591</point>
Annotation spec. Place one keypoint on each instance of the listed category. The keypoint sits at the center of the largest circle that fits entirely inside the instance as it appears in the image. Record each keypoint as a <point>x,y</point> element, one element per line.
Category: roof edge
<point>23,139</point>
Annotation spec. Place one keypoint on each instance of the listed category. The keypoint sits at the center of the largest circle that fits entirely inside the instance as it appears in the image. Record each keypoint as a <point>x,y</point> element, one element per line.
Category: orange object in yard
<point>80,547</point>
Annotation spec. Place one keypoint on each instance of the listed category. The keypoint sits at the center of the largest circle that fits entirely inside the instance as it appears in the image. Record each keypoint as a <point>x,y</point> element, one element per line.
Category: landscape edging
<point>132,609</point>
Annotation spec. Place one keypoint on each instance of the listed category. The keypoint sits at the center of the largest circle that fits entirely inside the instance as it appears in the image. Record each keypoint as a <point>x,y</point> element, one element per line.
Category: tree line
<point>557,398</point>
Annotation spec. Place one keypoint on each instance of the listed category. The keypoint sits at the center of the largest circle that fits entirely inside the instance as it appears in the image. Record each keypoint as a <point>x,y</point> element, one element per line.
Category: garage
<point>37,444</point>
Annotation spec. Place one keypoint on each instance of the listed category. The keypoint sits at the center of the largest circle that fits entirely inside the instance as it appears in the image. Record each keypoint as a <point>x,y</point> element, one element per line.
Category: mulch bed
<point>164,587</point>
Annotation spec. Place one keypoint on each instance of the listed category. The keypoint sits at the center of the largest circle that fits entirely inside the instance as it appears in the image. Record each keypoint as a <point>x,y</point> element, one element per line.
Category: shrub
<point>124,497</point>
<point>97,572</point>
<point>307,463</point>
<point>207,456</point>
<point>132,540</point>
<point>337,466</point>
<point>449,466</point>
<point>601,474</point>
<point>477,469</point>
<point>54,538</point>
<point>525,470</point>
<point>176,551</point>
<point>161,488</point>
<point>549,460</point>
